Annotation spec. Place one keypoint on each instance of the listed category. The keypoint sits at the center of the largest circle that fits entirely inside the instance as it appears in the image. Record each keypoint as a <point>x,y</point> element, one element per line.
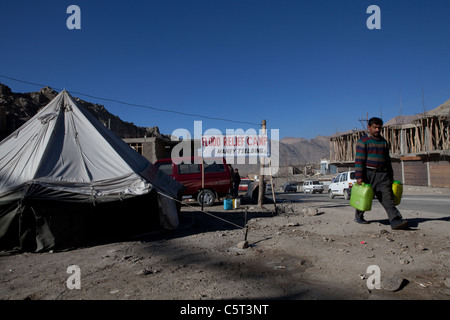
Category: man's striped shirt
<point>372,153</point>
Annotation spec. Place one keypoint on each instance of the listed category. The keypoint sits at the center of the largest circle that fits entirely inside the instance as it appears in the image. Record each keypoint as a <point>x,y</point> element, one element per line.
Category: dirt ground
<point>311,251</point>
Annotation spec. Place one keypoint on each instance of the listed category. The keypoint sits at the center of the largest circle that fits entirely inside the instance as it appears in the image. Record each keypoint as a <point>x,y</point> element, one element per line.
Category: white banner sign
<point>235,145</point>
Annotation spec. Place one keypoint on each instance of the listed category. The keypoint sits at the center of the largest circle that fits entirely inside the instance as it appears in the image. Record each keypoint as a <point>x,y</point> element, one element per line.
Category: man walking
<point>373,165</point>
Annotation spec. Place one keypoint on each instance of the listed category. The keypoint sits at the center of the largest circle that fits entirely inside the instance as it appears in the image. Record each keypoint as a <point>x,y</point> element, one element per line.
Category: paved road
<point>433,203</point>
<point>427,203</point>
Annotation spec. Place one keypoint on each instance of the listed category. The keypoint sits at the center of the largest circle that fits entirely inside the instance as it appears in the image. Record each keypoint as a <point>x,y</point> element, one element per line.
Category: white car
<point>342,185</point>
<point>312,186</point>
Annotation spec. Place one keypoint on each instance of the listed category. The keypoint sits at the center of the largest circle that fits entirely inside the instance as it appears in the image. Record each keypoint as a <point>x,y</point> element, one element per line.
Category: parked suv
<point>312,186</point>
<point>188,171</point>
<point>342,185</point>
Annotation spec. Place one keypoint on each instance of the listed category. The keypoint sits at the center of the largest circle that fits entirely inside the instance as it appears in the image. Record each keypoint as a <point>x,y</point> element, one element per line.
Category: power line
<point>136,105</point>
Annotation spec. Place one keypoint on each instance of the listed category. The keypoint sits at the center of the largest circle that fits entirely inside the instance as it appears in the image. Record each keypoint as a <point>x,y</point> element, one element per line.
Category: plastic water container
<point>361,197</point>
<point>236,203</point>
<point>228,204</point>
<point>397,189</point>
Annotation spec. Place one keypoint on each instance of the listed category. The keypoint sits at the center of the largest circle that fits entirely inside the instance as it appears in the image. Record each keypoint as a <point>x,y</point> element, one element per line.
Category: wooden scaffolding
<point>424,136</point>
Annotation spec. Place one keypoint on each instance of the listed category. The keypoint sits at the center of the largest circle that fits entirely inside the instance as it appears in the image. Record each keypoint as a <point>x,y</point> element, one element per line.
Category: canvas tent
<point>66,179</point>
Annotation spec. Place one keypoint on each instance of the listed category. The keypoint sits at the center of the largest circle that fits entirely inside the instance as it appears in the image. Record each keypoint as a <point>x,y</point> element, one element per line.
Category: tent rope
<point>205,212</point>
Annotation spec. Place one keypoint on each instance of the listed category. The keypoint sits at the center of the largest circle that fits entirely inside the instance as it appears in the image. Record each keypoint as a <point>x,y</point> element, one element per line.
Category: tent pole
<point>203,181</point>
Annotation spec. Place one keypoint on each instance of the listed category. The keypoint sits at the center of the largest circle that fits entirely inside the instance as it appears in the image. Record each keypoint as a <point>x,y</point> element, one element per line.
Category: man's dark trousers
<point>382,187</point>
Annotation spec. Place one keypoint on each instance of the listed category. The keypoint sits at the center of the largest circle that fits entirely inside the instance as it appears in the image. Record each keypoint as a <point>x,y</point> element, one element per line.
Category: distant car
<point>342,185</point>
<point>312,186</point>
<point>289,187</point>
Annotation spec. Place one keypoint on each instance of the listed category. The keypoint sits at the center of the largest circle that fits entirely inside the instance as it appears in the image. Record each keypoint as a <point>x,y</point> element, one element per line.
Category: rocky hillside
<point>295,151</point>
<point>18,108</point>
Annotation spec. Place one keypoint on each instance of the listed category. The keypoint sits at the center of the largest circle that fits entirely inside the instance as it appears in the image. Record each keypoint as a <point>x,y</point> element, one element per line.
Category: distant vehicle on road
<point>342,185</point>
<point>289,187</point>
<point>312,186</point>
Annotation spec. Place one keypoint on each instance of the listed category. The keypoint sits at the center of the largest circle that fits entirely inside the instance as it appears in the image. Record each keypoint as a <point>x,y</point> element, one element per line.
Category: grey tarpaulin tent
<point>66,179</point>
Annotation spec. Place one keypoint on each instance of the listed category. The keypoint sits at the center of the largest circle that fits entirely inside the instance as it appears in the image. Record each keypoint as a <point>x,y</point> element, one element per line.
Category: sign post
<point>248,144</point>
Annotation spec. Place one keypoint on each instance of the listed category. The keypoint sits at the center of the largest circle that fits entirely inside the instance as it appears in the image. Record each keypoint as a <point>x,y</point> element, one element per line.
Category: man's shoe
<point>399,224</point>
<point>360,220</point>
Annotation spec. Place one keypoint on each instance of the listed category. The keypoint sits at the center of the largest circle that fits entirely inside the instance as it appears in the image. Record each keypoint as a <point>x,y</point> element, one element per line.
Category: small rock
<point>310,211</point>
<point>147,271</point>
<point>406,260</point>
<point>292,224</point>
<point>242,245</point>
<point>392,283</point>
<point>447,282</point>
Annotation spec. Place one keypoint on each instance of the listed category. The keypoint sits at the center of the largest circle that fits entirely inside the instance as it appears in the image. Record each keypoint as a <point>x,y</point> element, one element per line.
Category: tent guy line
<point>205,212</point>
<point>137,105</point>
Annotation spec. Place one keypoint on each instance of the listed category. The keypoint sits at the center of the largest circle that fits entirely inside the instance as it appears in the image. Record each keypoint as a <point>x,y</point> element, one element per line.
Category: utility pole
<point>261,170</point>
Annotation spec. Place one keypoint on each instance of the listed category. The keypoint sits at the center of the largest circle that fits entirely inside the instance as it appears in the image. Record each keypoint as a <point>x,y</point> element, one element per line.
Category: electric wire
<point>137,105</point>
<point>205,212</point>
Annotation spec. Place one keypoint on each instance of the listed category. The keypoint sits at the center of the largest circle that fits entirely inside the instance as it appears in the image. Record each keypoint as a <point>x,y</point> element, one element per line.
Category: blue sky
<point>308,67</point>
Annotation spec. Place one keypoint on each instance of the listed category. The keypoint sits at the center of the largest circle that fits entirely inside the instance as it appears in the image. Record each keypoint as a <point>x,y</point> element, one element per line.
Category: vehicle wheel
<point>209,198</point>
<point>346,195</point>
<point>330,194</point>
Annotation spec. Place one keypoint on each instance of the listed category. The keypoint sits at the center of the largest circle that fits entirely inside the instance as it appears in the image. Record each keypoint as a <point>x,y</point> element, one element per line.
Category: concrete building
<point>152,148</point>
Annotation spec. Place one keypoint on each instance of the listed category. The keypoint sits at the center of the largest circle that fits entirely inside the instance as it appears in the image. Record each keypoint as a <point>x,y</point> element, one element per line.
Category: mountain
<point>296,151</point>
<point>18,108</point>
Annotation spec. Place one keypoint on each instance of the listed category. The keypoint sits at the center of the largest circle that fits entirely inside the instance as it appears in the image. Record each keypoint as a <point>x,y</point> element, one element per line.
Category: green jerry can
<point>361,197</point>
<point>397,189</point>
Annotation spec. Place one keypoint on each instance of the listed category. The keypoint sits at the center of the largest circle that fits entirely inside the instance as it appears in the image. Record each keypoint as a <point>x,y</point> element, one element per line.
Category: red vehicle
<point>188,171</point>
